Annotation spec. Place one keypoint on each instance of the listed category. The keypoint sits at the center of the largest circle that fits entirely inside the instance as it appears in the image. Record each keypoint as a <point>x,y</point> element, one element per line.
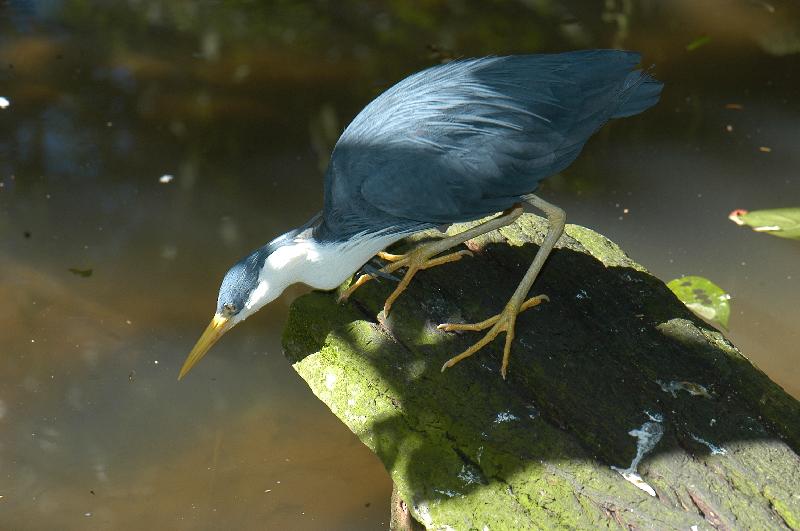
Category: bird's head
<point>260,278</point>
<point>244,290</point>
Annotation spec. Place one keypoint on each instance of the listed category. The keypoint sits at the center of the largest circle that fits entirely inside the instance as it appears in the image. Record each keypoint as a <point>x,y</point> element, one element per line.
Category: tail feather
<point>641,91</point>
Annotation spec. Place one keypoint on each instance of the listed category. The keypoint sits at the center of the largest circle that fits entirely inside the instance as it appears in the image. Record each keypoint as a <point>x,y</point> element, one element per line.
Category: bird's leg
<point>418,260</point>
<point>505,320</point>
<point>395,265</point>
<point>422,257</point>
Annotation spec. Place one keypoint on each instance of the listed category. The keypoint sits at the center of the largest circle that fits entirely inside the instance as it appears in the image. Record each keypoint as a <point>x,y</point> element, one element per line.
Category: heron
<point>457,142</point>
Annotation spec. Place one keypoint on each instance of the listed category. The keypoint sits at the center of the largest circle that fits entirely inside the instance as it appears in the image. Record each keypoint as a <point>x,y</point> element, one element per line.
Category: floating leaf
<point>781,222</point>
<point>697,43</point>
<point>703,297</point>
<point>85,273</point>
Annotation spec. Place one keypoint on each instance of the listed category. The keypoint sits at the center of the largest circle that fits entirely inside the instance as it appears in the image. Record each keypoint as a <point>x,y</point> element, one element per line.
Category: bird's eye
<point>229,309</point>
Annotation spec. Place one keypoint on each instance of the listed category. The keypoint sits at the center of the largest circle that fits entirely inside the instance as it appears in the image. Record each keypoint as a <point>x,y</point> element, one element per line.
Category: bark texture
<point>621,409</point>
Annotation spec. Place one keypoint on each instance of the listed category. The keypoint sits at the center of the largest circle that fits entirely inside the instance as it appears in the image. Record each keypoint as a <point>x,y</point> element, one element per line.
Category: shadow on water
<point>601,359</point>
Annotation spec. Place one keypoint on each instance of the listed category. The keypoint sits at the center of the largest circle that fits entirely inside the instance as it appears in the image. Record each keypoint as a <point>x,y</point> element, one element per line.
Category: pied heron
<point>456,142</point>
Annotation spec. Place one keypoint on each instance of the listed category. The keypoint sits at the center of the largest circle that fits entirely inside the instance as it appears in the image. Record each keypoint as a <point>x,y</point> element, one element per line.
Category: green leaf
<point>781,222</point>
<point>697,43</point>
<point>704,298</point>
<point>85,273</point>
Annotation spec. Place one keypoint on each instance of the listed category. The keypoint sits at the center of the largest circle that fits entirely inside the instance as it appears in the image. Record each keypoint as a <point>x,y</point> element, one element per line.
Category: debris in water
<point>4,103</point>
<point>697,43</point>
<point>765,149</point>
<point>734,106</point>
<point>703,297</point>
<point>85,273</point>
<point>781,222</point>
<point>166,178</point>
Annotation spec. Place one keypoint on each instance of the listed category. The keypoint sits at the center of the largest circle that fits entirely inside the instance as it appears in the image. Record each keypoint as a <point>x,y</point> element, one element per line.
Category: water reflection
<point>241,105</point>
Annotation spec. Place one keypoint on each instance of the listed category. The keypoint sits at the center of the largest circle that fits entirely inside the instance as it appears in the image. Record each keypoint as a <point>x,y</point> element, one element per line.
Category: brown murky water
<point>234,106</point>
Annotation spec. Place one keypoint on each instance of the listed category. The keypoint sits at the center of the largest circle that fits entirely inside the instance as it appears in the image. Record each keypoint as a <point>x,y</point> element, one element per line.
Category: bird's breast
<point>328,264</point>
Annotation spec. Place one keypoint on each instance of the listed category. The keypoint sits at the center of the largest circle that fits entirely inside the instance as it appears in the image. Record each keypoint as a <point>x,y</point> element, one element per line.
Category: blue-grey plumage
<point>466,139</point>
<point>453,143</point>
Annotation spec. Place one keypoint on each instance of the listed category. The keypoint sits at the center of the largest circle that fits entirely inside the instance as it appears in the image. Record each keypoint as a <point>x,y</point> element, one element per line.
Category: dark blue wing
<point>466,139</point>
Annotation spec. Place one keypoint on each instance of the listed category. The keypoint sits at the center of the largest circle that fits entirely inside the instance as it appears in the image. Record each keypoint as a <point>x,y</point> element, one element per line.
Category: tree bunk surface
<point>621,408</point>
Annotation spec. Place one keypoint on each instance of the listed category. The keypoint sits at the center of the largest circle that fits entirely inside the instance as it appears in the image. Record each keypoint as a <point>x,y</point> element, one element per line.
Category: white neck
<point>319,265</point>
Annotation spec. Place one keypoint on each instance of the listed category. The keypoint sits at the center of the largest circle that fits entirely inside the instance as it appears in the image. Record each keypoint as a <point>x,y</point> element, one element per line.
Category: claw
<point>343,296</point>
<point>414,261</point>
<point>389,257</point>
<point>505,321</point>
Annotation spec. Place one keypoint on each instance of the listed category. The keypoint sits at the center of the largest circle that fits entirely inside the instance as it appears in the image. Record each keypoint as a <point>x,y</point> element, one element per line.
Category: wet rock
<point>463,448</point>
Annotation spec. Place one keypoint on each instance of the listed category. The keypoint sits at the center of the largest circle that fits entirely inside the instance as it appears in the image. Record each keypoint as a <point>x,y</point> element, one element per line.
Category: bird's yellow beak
<point>215,330</point>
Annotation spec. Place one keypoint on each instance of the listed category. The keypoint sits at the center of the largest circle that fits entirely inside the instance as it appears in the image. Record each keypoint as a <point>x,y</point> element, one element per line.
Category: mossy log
<point>621,408</point>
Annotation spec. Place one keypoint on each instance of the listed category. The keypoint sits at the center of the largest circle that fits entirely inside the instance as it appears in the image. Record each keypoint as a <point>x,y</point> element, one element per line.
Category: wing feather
<point>465,139</point>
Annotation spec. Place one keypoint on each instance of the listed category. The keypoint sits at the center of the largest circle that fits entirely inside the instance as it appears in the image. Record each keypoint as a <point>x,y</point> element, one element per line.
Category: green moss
<point>789,514</point>
<point>603,249</point>
<point>467,449</point>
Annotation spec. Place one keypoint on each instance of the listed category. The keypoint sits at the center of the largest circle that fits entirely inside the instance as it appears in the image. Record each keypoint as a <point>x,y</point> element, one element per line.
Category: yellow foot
<point>389,257</point>
<point>414,261</point>
<point>502,322</point>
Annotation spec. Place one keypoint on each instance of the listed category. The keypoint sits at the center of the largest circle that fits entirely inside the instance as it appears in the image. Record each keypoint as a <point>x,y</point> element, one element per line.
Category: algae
<point>467,450</point>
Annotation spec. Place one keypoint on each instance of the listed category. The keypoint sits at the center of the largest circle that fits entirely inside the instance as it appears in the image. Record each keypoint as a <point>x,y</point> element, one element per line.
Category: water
<point>240,104</point>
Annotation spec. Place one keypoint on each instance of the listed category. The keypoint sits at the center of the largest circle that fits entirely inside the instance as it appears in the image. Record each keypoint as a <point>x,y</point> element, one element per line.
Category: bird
<point>456,142</point>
